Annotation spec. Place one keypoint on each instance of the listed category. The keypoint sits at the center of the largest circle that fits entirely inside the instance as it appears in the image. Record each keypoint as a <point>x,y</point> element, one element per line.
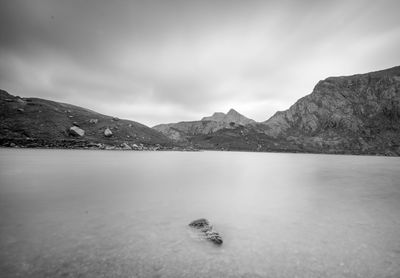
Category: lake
<point>82,213</point>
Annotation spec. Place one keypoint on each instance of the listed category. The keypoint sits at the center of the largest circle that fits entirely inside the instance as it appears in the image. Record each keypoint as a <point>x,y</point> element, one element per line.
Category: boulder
<point>199,223</point>
<point>108,132</point>
<point>93,121</point>
<point>125,146</point>
<point>76,131</point>
<point>204,226</point>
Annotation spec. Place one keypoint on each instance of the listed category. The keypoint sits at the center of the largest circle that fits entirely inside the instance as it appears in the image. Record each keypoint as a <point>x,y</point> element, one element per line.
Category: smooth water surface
<point>75,213</point>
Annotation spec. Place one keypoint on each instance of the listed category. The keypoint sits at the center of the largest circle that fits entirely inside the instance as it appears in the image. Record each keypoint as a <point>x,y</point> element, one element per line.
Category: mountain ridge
<point>183,131</point>
<point>355,114</point>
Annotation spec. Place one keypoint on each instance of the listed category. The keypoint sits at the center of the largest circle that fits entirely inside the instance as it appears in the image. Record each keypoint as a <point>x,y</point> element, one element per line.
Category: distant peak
<point>231,116</point>
<point>232,111</point>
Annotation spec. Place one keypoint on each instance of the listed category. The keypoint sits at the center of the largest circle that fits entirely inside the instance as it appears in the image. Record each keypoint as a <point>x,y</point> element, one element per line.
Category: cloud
<point>166,61</point>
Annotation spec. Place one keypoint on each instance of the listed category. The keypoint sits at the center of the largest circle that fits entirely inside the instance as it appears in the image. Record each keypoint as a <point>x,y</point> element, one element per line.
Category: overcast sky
<point>167,61</point>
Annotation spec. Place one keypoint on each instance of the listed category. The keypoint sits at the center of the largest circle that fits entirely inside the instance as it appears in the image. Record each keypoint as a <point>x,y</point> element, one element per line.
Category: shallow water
<point>74,213</point>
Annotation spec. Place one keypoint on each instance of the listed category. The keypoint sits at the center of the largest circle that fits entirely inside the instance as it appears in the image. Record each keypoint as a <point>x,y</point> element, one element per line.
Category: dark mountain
<point>352,114</point>
<point>184,131</point>
<point>37,122</point>
<point>358,114</point>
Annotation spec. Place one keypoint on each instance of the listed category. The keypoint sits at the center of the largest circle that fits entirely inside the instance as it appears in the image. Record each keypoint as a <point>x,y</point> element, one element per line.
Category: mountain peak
<point>232,112</point>
<point>231,116</point>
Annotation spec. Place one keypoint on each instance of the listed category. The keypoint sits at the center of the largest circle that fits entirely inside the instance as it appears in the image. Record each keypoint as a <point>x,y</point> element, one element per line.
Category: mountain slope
<point>183,131</point>
<point>356,114</point>
<point>38,122</point>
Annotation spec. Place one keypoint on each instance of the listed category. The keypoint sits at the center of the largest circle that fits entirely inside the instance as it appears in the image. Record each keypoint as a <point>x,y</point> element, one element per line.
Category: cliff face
<point>37,122</point>
<point>184,131</point>
<point>359,114</point>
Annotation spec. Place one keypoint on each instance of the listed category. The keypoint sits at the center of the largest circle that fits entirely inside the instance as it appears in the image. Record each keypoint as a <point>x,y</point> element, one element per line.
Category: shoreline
<point>159,148</point>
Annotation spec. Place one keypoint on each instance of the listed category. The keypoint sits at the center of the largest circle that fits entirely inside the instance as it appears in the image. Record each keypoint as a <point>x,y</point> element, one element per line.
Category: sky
<point>168,61</point>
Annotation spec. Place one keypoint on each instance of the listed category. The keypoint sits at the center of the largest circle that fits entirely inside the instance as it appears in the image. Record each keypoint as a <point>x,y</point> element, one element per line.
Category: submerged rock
<point>204,226</point>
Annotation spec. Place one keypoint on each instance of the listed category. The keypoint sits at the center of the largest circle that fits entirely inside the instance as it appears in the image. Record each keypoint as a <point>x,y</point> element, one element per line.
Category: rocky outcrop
<point>204,226</point>
<point>348,103</point>
<point>184,131</point>
<point>356,114</point>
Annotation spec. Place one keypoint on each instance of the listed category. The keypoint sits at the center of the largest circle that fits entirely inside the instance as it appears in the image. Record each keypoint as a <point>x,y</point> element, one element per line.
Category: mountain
<point>184,131</point>
<point>349,114</point>
<point>231,117</point>
<point>36,122</point>
<point>357,114</point>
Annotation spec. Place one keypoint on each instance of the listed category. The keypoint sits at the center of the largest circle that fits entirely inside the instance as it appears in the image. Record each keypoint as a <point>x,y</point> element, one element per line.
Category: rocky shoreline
<point>32,143</point>
<point>81,144</point>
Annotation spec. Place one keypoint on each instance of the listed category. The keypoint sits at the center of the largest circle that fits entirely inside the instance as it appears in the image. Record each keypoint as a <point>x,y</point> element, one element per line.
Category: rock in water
<point>204,226</point>
<point>214,237</point>
<point>76,131</point>
<point>199,223</point>
<point>107,132</point>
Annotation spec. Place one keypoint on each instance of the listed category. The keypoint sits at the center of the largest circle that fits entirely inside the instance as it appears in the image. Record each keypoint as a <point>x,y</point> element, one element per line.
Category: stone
<point>76,131</point>
<point>125,146</point>
<point>108,132</point>
<point>93,121</point>
<point>199,223</point>
<point>207,229</point>
<point>214,237</point>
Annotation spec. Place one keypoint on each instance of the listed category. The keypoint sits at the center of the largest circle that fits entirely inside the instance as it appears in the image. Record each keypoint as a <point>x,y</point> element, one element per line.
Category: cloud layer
<point>166,61</point>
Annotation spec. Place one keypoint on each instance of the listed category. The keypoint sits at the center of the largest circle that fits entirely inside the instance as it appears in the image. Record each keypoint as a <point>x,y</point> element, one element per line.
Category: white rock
<point>74,130</point>
<point>107,132</point>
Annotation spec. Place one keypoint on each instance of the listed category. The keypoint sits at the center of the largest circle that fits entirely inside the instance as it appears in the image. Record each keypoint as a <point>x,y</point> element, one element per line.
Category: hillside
<point>358,114</point>
<point>352,114</point>
<point>36,122</point>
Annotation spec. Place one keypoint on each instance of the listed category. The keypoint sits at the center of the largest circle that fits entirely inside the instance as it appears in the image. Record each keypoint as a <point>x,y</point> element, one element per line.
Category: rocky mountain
<point>348,114</point>
<point>358,114</point>
<point>184,131</point>
<point>36,122</point>
<point>231,117</point>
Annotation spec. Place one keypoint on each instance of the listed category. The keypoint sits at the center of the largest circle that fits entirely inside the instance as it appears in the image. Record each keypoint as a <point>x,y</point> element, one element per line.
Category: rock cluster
<point>205,227</point>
